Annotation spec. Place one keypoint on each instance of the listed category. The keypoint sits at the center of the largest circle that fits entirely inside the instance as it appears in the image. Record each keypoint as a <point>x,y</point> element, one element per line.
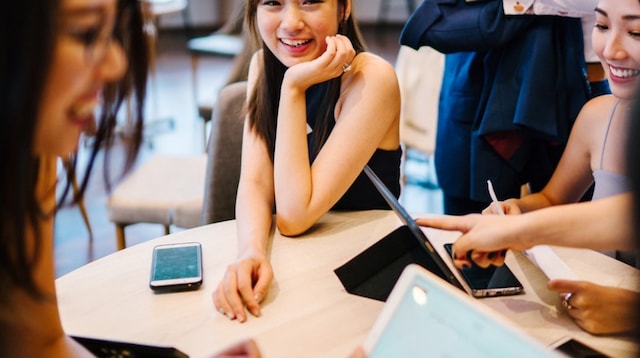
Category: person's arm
<point>247,280</point>
<point>571,8</point>
<point>603,224</point>
<point>367,117</point>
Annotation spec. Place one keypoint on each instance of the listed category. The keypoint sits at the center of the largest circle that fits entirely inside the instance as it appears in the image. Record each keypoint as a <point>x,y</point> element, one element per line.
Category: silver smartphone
<point>491,281</point>
<point>176,267</point>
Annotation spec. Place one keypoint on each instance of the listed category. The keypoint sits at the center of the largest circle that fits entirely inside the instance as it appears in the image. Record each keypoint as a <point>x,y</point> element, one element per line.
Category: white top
<point>583,9</point>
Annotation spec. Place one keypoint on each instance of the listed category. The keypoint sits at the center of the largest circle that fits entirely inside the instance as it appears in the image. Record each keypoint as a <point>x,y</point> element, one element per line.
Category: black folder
<point>374,272</point>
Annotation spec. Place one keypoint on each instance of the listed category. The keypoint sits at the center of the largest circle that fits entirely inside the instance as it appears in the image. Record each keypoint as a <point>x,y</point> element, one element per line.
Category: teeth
<point>294,43</point>
<point>623,73</point>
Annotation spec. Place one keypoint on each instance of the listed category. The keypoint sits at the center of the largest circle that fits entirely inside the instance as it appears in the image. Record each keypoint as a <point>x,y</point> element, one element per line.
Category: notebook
<point>425,316</point>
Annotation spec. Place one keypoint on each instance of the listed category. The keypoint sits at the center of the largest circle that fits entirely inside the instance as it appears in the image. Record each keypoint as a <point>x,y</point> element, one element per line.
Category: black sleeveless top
<point>362,195</point>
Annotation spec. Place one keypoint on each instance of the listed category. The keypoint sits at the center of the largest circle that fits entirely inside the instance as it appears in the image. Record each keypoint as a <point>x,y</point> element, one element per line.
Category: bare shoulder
<point>255,68</point>
<point>373,75</point>
<point>255,65</point>
<point>372,65</point>
<point>597,109</point>
<point>592,120</point>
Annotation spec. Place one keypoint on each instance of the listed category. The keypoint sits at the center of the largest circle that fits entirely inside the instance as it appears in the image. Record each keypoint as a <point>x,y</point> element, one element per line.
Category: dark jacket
<point>505,113</point>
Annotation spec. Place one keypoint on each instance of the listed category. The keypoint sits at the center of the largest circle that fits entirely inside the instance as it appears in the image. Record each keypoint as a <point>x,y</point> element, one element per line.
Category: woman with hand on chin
<point>61,59</point>
<point>319,109</point>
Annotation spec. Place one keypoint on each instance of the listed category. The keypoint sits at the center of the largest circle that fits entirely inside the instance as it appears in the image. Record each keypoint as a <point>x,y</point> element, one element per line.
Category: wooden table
<point>307,311</point>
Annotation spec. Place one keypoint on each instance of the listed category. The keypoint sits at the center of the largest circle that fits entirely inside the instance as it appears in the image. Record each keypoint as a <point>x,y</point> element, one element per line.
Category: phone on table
<point>490,281</point>
<point>176,267</point>
<point>103,348</point>
<point>576,349</point>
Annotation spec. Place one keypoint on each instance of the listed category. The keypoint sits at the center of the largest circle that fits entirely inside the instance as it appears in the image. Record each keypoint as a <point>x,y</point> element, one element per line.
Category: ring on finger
<point>346,67</point>
<point>566,301</point>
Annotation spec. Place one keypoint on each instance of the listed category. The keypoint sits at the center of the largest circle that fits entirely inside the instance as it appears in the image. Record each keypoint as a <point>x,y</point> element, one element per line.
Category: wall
<point>206,13</point>
<point>366,11</point>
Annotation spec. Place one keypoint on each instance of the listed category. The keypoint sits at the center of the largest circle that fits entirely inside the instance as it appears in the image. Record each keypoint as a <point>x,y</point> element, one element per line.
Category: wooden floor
<point>171,97</point>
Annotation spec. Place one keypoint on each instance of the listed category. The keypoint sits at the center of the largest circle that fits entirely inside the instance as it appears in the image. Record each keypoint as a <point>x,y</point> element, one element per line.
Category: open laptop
<point>424,316</point>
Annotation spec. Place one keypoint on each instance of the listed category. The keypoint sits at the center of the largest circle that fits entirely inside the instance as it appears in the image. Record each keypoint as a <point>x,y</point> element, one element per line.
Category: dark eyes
<point>277,3</point>
<point>602,27</point>
<point>88,37</point>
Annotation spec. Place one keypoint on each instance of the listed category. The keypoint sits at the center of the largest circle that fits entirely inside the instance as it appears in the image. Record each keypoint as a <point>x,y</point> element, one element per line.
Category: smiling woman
<point>313,122</point>
<point>61,59</point>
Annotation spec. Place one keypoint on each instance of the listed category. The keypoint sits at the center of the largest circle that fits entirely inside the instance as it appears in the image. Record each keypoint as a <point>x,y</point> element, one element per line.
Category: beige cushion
<point>420,77</point>
<point>152,192</point>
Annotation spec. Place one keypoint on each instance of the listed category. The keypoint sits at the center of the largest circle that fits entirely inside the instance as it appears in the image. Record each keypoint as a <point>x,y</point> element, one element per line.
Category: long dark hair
<point>263,101</point>
<point>28,33</point>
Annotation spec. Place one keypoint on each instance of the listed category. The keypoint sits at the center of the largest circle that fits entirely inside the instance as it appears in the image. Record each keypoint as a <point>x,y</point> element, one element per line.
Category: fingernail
<point>257,297</point>
<point>256,312</point>
<point>230,315</point>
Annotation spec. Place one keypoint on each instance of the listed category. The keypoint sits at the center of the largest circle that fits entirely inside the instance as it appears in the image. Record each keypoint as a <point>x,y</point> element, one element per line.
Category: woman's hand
<point>331,64</point>
<point>599,309</point>
<point>509,207</point>
<point>245,283</point>
<point>484,240</point>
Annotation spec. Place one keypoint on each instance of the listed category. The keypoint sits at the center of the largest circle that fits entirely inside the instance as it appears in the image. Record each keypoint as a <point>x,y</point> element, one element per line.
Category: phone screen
<point>490,281</point>
<point>176,266</point>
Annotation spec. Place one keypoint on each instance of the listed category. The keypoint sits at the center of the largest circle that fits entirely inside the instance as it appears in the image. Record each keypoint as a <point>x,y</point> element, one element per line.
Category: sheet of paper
<point>550,263</point>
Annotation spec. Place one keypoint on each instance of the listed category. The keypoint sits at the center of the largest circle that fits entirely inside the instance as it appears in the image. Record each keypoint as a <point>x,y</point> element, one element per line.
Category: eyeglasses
<point>97,37</point>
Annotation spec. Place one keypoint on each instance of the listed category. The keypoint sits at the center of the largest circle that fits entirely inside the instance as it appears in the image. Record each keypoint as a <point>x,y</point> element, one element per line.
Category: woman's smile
<point>296,46</point>
<point>621,74</point>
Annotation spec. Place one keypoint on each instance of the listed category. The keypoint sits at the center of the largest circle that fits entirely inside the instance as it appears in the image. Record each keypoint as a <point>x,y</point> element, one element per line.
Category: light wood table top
<point>307,311</point>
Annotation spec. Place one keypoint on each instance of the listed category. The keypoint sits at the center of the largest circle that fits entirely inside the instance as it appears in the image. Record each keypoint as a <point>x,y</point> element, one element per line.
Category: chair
<point>223,165</point>
<point>187,191</point>
<point>228,41</point>
<point>75,187</point>
<point>154,190</point>
<point>420,92</point>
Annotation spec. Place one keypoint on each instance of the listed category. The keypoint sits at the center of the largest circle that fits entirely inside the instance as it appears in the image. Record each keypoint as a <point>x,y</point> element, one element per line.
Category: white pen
<point>494,198</point>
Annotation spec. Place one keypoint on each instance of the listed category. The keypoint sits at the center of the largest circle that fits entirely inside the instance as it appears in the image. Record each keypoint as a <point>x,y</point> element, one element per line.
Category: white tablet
<point>426,316</point>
